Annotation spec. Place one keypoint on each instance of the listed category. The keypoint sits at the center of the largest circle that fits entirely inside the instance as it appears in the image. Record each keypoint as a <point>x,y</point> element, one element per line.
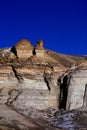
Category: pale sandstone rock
<point>40,52</point>
<point>39,45</point>
<point>24,49</point>
<point>76,89</point>
<point>32,92</point>
<point>35,80</point>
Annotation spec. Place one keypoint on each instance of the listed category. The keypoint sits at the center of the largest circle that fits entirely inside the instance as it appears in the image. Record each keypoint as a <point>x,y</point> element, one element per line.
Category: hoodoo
<point>23,49</point>
<point>40,52</point>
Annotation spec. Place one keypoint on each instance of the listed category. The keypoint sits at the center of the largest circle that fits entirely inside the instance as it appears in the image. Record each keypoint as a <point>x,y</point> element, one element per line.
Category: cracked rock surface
<point>34,83</point>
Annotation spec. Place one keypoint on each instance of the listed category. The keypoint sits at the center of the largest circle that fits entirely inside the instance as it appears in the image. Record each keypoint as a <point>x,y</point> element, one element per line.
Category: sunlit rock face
<point>27,87</point>
<point>30,80</point>
<point>37,78</point>
<point>23,49</point>
<point>76,90</point>
<point>40,52</point>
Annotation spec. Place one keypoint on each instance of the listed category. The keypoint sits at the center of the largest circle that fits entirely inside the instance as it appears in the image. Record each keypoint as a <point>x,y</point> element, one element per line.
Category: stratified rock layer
<point>38,78</point>
<point>23,49</point>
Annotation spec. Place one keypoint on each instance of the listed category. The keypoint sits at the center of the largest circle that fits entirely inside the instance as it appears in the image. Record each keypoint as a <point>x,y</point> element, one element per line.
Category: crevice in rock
<point>1,92</point>
<point>13,49</point>
<point>13,96</point>
<point>85,97</point>
<point>47,78</point>
<point>34,52</point>
<point>19,77</point>
<point>63,83</point>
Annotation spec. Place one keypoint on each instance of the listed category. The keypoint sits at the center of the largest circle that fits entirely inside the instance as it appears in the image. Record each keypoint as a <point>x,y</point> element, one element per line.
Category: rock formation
<point>32,83</point>
<point>32,77</point>
<point>23,49</point>
<point>40,52</point>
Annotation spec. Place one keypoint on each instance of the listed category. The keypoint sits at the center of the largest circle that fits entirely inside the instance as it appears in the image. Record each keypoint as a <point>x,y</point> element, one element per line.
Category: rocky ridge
<point>33,80</point>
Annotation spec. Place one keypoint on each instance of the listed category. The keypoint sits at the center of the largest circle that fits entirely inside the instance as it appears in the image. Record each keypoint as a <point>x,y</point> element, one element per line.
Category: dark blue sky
<point>62,24</point>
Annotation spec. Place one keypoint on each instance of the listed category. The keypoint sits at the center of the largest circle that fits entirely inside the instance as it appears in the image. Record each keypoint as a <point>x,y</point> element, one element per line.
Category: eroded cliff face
<point>28,77</point>
<point>73,88</point>
<point>77,89</point>
<point>37,84</point>
<point>37,78</point>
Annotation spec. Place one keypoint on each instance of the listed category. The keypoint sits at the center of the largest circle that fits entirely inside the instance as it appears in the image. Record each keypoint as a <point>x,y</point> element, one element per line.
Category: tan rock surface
<point>10,119</point>
<point>42,80</point>
<point>24,49</point>
<point>40,52</point>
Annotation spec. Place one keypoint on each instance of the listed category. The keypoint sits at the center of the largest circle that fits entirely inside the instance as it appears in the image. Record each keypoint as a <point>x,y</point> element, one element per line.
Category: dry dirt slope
<point>67,60</point>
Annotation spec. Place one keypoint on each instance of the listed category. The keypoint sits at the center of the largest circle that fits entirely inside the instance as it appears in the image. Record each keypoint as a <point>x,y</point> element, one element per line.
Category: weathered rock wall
<point>76,89</point>
<point>31,77</point>
<point>22,88</point>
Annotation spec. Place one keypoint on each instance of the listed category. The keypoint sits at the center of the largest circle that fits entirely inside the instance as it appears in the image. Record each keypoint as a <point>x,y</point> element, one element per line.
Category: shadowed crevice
<point>13,49</point>
<point>63,92</point>
<point>19,77</point>
<point>47,80</point>
<point>34,52</point>
<point>85,97</point>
